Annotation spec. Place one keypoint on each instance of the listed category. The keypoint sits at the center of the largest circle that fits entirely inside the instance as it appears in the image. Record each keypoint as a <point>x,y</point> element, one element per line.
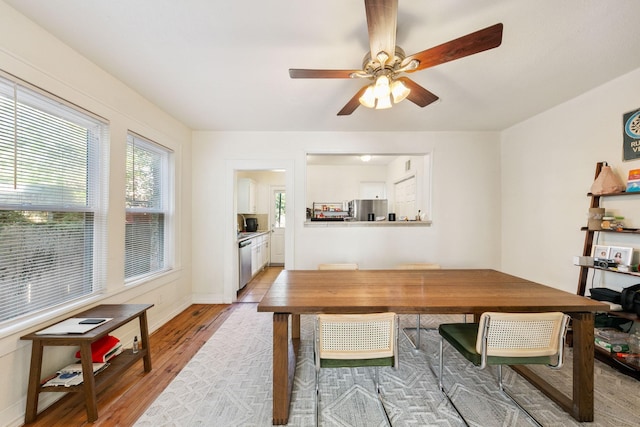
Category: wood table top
<point>119,314</point>
<point>416,291</point>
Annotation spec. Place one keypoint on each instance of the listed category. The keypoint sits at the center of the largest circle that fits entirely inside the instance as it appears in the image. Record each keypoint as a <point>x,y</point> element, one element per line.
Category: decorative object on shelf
<point>631,135</point>
<point>621,255</point>
<point>633,181</point>
<point>611,256</point>
<point>601,251</point>
<point>595,218</point>
<point>607,182</point>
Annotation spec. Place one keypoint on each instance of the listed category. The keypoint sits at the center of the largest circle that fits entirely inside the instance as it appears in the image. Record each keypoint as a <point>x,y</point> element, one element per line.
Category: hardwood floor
<point>172,346</point>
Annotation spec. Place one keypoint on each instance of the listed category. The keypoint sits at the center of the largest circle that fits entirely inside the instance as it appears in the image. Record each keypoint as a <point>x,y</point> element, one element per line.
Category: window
<point>280,209</point>
<point>52,201</point>
<point>147,207</point>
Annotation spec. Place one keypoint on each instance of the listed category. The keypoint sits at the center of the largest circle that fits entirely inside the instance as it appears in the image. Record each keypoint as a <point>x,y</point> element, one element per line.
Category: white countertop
<point>250,235</point>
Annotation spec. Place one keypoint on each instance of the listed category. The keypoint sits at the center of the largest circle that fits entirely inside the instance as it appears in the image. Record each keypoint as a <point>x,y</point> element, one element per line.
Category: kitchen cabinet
<point>256,257</point>
<point>246,196</point>
<point>259,253</point>
<point>266,252</point>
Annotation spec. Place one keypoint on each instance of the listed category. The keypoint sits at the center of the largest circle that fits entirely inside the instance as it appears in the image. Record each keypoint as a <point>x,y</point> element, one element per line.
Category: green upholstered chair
<point>507,339</point>
<point>355,340</point>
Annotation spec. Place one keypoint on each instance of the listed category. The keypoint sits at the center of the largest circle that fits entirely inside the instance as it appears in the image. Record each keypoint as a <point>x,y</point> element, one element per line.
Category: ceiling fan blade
<point>297,73</point>
<point>382,19</point>
<point>418,95</point>
<point>353,103</point>
<point>479,41</point>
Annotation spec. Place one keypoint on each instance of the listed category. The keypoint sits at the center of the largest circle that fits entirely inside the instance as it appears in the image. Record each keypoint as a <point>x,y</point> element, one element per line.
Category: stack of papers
<point>71,375</point>
<point>74,325</point>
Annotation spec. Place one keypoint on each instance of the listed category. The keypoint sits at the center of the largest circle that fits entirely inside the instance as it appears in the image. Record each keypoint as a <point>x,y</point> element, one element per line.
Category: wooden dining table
<point>463,291</point>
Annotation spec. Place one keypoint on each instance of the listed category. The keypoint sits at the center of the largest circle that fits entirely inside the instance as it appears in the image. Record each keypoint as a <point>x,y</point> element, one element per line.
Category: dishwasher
<point>244,256</point>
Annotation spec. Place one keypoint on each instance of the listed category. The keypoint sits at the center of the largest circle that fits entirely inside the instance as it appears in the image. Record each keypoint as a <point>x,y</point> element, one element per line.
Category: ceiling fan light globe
<point>383,103</point>
<point>368,99</point>
<point>382,89</point>
<point>399,91</point>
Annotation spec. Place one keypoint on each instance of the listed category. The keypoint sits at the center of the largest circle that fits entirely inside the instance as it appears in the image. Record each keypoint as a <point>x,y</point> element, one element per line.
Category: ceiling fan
<point>385,62</point>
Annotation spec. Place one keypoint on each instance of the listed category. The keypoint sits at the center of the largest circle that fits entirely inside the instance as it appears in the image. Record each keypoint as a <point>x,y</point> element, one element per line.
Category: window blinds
<point>52,201</point>
<point>146,207</point>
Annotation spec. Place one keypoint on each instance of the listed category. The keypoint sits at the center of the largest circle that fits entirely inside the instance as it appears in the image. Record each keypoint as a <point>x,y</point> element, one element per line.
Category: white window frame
<point>39,197</point>
<point>163,206</point>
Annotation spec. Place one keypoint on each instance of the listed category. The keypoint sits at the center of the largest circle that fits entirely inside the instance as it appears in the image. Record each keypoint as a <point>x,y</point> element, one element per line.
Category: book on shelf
<point>71,375</point>
<point>633,181</point>
<point>104,349</point>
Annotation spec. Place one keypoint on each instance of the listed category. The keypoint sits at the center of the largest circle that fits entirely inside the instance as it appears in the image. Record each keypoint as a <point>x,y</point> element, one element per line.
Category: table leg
<point>33,390</point>
<point>583,360</point>
<point>295,326</point>
<point>89,383</point>
<point>284,365</point>
<point>144,337</point>
<point>580,403</point>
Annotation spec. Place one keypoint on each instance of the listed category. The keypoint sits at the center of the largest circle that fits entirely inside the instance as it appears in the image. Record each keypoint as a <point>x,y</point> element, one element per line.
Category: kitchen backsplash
<point>263,221</point>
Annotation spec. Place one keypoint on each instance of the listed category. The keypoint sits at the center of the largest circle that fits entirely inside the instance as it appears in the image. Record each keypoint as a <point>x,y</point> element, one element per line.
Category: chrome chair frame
<point>484,348</point>
<point>354,340</point>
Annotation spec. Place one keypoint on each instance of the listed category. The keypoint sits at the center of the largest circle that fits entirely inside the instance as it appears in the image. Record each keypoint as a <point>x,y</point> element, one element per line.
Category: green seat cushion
<point>355,363</point>
<point>462,336</point>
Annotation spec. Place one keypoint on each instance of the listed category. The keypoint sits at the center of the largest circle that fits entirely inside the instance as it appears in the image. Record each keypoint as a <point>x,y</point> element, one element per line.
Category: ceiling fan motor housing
<point>374,67</point>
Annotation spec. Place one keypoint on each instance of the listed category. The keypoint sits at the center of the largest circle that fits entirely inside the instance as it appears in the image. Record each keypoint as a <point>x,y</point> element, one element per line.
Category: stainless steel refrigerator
<point>361,208</point>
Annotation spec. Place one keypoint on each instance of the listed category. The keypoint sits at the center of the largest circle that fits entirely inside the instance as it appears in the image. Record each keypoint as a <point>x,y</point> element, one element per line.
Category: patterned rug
<point>228,384</point>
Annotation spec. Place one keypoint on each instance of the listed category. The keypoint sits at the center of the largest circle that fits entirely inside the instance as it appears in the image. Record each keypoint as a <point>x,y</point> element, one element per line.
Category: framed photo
<point>600,251</point>
<point>621,255</point>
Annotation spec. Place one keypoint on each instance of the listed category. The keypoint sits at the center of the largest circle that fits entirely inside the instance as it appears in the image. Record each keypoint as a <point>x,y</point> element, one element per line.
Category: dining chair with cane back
<point>417,328</point>
<point>338,266</point>
<point>507,339</point>
<point>355,340</point>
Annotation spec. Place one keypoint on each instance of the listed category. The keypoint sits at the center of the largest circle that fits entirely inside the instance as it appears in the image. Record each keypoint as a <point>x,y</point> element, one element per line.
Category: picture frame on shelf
<point>621,255</point>
<point>601,251</point>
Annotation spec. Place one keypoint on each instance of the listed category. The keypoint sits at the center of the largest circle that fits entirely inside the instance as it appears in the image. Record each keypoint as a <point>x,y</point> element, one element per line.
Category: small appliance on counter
<point>252,225</point>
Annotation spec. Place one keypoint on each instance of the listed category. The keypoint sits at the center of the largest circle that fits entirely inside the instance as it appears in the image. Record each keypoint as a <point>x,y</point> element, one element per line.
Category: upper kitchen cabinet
<point>246,196</point>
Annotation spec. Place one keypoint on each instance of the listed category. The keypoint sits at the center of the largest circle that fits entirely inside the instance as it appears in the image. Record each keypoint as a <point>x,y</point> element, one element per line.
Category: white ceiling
<point>224,65</point>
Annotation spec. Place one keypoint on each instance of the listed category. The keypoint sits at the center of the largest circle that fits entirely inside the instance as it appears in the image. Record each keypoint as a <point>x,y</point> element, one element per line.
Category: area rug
<point>228,383</point>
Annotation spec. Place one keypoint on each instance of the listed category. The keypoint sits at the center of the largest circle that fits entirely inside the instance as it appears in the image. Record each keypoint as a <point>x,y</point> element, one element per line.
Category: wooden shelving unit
<point>120,314</point>
<point>631,368</point>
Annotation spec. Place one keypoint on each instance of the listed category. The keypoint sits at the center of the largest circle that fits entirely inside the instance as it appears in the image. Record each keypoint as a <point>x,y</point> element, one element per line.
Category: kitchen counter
<point>336,224</point>
<point>250,235</point>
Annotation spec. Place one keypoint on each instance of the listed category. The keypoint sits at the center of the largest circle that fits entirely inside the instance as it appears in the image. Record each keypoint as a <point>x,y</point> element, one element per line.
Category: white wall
<point>548,165</point>
<point>466,203</point>
<point>340,183</point>
<point>31,54</point>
